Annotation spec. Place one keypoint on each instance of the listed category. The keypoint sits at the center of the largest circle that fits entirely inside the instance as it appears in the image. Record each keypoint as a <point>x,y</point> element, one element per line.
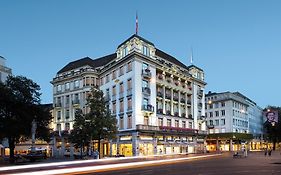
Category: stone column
<point>231,145</point>
<point>135,144</point>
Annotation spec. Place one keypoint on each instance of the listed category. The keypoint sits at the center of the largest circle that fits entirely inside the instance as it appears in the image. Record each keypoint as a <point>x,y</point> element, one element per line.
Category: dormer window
<point>145,51</point>
<point>124,51</point>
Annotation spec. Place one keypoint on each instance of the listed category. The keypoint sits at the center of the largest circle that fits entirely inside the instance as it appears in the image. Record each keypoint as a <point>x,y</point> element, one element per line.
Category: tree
<point>19,106</point>
<point>273,131</point>
<point>80,135</point>
<point>102,123</point>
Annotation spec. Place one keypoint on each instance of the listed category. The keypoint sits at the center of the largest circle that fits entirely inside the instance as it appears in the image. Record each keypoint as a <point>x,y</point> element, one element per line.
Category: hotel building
<point>232,120</point>
<point>158,101</point>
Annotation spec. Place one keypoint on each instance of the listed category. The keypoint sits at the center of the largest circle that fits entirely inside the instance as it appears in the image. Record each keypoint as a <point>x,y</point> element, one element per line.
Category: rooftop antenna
<point>137,23</point>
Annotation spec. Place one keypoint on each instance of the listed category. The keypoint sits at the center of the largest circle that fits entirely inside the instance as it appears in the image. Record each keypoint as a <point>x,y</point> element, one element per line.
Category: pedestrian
<point>265,152</point>
<point>269,152</point>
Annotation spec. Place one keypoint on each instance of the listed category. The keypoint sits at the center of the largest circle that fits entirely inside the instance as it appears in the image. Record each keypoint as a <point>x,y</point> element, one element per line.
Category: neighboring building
<point>232,119</point>
<point>158,101</point>
<point>4,71</point>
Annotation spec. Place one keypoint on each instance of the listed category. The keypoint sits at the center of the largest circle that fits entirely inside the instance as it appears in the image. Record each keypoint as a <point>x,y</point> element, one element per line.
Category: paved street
<point>256,163</point>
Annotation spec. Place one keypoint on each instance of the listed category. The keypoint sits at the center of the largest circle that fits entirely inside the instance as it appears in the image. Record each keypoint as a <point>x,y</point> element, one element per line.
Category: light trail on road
<point>117,166</point>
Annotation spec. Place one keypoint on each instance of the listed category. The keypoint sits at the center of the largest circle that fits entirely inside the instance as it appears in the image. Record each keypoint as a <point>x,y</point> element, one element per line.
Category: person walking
<point>265,151</point>
<point>269,152</point>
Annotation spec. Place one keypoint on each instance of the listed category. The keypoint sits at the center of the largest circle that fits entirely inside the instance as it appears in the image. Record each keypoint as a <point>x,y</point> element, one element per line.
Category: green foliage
<point>98,124</point>
<point>19,106</point>
<point>80,134</point>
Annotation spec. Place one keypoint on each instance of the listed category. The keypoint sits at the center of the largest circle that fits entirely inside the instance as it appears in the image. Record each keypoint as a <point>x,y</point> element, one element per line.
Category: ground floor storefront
<point>144,142</point>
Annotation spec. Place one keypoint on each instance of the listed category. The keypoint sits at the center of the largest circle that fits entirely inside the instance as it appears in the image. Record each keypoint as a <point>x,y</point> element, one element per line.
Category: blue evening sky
<point>236,42</point>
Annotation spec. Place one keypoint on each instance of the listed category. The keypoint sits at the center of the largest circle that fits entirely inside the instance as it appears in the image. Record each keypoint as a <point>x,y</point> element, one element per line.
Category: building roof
<point>170,58</point>
<point>137,36</point>
<point>191,66</point>
<point>88,61</point>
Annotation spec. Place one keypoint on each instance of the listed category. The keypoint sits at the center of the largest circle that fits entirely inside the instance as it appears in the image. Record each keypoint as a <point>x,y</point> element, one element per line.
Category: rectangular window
<point>217,122</point>
<point>210,106</point>
<point>114,107</point>
<point>129,83</point>
<point>121,71</point>
<point>222,112</point>
<point>114,90</point>
<point>216,105</point>
<point>190,125</point>
<point>107,78</point>
<point>217,113</point>
<point>176,123</point>
<point>67,126</point>
<point>59,88</point>
<point>58,127</point>
<point>76,84</point>
<point>129,104</point>
<point>67,86</point>
<point>144,83</point>
<point>129,66</point>
<point>67,100</point>
<point>222,104</point>
<point>129,121</point>
<point>183,124</point>
<point>121,106</point>
<point>145,51</point>
<point>144,66</point>
<point>121,88</point>
<point>67,114</point>
<point>211,122</point>
<point>222,121</point>
<point>169,122</point>
<point>124,52</point>
<point>58,115</point>
<point>211,114</point>
<point>113,74</point>
<point>121,122</point>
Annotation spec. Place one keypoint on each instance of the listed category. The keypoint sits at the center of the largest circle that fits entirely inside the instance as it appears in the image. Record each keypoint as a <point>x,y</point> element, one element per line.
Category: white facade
<point>158,101</point>
<point>4,71</point>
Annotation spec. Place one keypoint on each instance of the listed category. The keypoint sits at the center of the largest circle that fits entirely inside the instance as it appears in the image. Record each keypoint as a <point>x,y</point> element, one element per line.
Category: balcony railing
<point>210,126</point>
<point>160,76</point>
<point>146,90</point>
<point>148,108</point>
<point>183,115</point>
<point>176,114</point>
<point>147,127</point>
<point>188,102</point>
<point>190,116</point>
<point>146,73</point>
<point>178,129</point>
<point>168,112</point>
<point>177,82</point>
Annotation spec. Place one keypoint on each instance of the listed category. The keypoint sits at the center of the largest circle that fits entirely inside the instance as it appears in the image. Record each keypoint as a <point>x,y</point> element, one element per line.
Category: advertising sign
<point>272,116</point>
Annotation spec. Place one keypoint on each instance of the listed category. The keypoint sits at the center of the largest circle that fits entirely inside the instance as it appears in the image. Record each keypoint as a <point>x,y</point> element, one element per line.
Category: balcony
<point>168,80</point>
<point>147,127</point>
<point>146,91</point>
<point>188,102</point>
<point>176,82</point>
<point>159,111</point>
<point>183,115</point>
<point>148,108</point>
<point>160,94</point>
<point>176,114</point>
<point>146,73</point>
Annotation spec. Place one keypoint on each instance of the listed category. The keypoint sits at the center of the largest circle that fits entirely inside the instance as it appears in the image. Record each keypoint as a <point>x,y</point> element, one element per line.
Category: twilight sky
<point>236,42</point>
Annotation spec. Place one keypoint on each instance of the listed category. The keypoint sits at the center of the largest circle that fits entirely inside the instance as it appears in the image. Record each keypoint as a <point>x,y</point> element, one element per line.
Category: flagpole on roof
<point>137,23</point>
<point>191,56</point>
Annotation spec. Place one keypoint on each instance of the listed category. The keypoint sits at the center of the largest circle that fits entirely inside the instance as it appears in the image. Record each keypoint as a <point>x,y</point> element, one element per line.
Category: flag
<point>137,24</point>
